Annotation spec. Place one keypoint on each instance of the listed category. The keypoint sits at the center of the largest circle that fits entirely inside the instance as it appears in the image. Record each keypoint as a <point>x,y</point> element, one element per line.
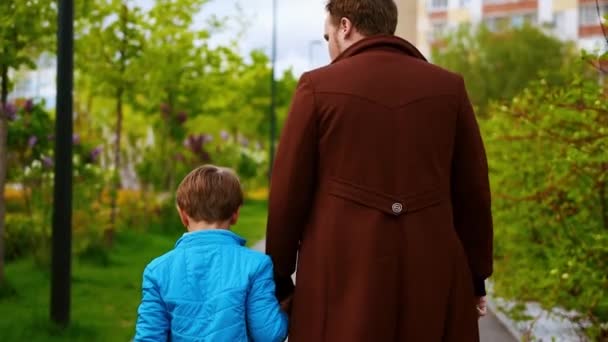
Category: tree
<point>110,41</point>
<point>27,27</point>
<point>177,69</point>
<point>247,96</point>
<point>498,65</point>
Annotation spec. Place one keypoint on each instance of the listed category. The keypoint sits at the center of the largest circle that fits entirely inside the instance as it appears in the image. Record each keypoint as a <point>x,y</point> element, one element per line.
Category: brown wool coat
<point>380,188</point>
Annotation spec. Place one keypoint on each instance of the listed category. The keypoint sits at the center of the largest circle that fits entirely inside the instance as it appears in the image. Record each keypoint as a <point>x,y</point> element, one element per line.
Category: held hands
<point>482,306</point>
<point>286,304</point>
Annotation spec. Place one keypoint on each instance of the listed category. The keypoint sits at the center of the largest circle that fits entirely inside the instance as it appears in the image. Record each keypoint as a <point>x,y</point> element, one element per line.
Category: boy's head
<point>209,197</point>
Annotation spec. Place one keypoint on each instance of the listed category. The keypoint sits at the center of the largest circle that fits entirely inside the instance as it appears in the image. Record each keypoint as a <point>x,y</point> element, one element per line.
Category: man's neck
<point>354,40</point>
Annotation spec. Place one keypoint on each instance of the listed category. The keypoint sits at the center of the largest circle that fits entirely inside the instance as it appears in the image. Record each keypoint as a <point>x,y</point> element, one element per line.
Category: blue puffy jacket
<point>210,288</point>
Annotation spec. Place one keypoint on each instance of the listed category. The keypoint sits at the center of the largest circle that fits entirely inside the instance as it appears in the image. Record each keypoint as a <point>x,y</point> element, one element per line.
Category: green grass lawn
<point>104,299</point>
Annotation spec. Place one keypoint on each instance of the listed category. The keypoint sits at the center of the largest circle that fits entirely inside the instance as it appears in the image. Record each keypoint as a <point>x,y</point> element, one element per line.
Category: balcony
<point>437,9</point>
<point>590,21</point>
<point>505,7</point>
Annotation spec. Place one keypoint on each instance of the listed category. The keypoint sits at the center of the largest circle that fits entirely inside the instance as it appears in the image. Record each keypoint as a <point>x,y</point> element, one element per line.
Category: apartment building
<point>575,20</point>
<point>38,83</point>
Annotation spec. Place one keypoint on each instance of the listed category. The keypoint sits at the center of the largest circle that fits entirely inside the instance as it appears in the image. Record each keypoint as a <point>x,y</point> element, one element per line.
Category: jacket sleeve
<point>265,319</point>
<point>471,194</point>
<point>292,185</point>
<point>152,318</point>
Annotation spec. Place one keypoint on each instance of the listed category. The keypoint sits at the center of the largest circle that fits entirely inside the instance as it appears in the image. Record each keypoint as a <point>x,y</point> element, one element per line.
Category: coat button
<point>397,208</point>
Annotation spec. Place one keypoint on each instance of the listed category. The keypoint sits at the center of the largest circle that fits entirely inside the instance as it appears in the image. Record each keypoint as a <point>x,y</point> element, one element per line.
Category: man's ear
<point>346,27</point>
<point>183,216</point>
<point>235,217</point>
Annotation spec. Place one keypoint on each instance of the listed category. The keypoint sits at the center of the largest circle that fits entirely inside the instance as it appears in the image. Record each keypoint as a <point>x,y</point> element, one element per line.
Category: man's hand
<point>482,306</point>
<point>286,304</point>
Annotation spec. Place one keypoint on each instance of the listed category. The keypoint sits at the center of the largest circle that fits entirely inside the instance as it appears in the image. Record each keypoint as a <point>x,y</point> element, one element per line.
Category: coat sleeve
<point>471,194</point>
<point>152,318</point>
<point>292,186</point>
<point>265,320</point>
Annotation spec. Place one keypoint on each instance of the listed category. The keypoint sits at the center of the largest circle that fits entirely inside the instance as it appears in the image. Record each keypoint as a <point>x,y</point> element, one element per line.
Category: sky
<point>299,30</point>
<point>300,44</point>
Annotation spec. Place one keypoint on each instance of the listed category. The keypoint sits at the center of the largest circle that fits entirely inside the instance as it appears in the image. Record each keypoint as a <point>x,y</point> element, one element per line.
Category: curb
<point>505,321</point>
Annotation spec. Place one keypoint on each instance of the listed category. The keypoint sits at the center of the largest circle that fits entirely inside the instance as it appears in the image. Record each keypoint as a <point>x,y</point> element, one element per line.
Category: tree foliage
<point>26,28</point>
<point>547,151</point>
<point>543,111</point>
<point>496,66</point>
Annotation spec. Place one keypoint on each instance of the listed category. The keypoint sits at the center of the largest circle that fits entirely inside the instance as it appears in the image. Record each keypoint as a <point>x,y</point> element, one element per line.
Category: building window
<point>438,5</point>
<point>438,30</point>
<point>498,23</point>
<point>588,15</point>
<point>517,21</point>
<point>530,18</point>
<point>560,21</point>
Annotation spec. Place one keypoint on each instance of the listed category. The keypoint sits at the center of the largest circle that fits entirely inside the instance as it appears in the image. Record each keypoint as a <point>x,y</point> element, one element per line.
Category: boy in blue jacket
<point>210,287</point>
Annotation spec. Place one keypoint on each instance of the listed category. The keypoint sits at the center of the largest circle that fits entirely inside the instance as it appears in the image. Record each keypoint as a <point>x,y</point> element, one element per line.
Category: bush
<point>15,198</point>
<point>136,209</point>
<point>167,221</point>
<point>549,172</point>
<point>23,234</point>
<point>7,289</point>
<point>95,253</point>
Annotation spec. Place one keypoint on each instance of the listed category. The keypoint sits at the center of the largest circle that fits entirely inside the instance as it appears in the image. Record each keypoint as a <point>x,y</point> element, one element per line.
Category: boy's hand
<point>482,306</point>
<point>286,304</point>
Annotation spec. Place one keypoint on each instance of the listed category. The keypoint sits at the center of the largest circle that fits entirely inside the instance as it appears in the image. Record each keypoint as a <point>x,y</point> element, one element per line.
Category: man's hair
<point>210,193</point>
<point>369,17</point>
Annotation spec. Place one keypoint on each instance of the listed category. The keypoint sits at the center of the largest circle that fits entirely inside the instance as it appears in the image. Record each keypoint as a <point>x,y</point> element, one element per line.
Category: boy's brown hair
<point>369,17</point>
<point>210,193</point>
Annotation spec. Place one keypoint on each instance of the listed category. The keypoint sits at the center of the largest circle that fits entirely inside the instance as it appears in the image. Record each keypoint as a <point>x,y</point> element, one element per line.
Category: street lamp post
<point>62,203</point>
<point>273,89</point>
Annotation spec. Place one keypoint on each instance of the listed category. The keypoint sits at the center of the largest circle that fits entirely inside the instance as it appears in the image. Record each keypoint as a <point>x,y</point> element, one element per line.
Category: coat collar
<point>380,42</point>
<point>210,237</point>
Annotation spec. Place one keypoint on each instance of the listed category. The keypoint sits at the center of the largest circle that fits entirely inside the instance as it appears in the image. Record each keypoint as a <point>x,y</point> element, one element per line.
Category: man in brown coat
<point>380,192</point>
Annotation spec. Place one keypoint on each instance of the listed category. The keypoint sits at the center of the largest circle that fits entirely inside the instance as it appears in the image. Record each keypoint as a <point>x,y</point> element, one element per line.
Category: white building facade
<point>573,20</point>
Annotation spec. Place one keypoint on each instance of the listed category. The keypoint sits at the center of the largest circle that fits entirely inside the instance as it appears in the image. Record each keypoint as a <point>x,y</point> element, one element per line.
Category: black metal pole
<point>273,89</point>
<point>62,204</point>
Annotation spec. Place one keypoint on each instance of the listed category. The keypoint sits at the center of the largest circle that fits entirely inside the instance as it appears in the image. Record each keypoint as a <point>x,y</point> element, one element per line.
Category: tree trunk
<point>109,232</point>
<point>116,184</point>
<point>3,166</point>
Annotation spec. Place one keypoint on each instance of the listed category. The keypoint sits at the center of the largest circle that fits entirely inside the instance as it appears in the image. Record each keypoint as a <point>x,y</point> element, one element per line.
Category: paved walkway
<point>490,329</point>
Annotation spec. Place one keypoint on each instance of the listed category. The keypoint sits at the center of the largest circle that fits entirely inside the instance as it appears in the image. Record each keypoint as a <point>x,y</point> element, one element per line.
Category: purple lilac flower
<point>95,153</point>
<point>31,142</point>
<point>182,117</point>
<point>244,141</point>
<point>75,139</point>
<point>47,162</point>
<point>28,106</point>
<point>224,135</point>
<point>10,110</point>
<point>196,144</point>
